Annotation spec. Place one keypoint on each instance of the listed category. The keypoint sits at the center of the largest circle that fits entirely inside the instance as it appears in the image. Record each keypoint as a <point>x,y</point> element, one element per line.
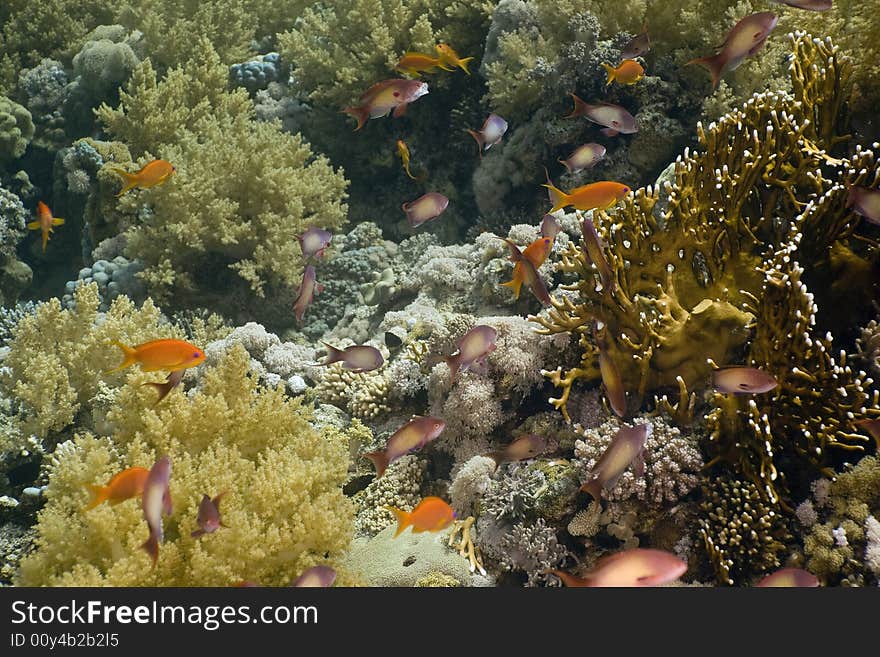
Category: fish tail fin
<point>408,172</point>
<point>151,545</point>
<point>610,71</point>
<point>403,519</point>
<point>57,221</point>
<point>594,488</point>
<point>130,180</point>
<point>98,493</point>
<point>477,138</point>
<point>580,107</point>
<point>713,63</point>
<point>380,461</point>
<point>464,64</point>
<point>557,196</point>
<point>515,284</point>
<point>129,357</point>
<point>361,113</point>
<point>334,355</point>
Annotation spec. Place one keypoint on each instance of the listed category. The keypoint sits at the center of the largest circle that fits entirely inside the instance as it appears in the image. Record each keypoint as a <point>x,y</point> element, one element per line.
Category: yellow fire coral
<point>284,504</point>
<point>57,356</point>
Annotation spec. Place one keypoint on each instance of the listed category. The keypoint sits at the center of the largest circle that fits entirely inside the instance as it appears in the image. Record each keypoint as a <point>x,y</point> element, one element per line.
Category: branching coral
<point>57,356</point>
<point>206,233</point>
<point>284,505</point>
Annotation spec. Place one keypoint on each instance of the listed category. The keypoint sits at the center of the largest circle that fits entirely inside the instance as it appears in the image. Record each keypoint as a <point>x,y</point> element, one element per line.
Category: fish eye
<point>197,355</point>
<point>743,386</point>
<point>396,94</point>
<point>615,123</point>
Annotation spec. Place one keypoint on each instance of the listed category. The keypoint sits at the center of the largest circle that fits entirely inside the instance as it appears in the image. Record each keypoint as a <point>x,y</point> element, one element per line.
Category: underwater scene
<point>439,293</point>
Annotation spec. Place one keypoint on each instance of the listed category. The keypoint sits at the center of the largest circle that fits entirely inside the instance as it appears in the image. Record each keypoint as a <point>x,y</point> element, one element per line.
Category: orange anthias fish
<point>387,96</point>
<point>415,63</point>
<point>123,486</point>
<point>536,253</point>
<point>45,222</point>
<point>450,57</point>
<point>166,354</point>
<point>595,196</point>
<point>629,71</point>
<point>430,515</point>
<point>529,274</point>
<point>151,174</point>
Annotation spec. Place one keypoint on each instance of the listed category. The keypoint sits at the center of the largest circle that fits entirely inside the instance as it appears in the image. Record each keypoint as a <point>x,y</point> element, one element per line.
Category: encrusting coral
<point>283,504</point>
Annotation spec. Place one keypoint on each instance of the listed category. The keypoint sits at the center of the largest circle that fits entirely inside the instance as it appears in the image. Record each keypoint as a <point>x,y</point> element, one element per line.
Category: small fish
<point>872,427</point>
<point>45,222</point>
<point>629,71</point>
<point>171,382</point>
<point>584,157</point>
<point>639,45</point>
<point>530,274</point>
<point>316,577</point>
<point>473,348</point>
<point>413,435</point>
<point>208,517</point>
<point>426,207</point>
<point>633,567</point>
<point>122,486</point>
<point>550,226</point>
<point>151,174</point>
<point>536,253</point>
<point>626,448</point>
<point>309,288</point>
<point>594,196</point>
<point>356,358</point>
<point>594,250</point>
<point>314,241</point>
<point>387,96</point>
<point>490,134</point>
<point>812,5</point>
<point>745,39</point>
<point>790,577</point>
<point>525,447</point>
<point>741,380</point>
<point>403,152</point>
<point>614,117</point>
<point>449,57</point>
<point>416,63</point>
<point>156,500</point>
<point>864,201</point>
<point>166,354</point>
<point>430,515</point>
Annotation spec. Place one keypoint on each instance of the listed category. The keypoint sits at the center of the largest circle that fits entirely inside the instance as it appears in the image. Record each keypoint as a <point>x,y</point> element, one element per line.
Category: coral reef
<point>284,505</point>
<point>16,130</point>
<point>15,275</point>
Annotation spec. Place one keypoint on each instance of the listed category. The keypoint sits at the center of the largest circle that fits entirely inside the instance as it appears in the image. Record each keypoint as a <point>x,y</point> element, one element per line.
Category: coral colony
<point>310,335</point>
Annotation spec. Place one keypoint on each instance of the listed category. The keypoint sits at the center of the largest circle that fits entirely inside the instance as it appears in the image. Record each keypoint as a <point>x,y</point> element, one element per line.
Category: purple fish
<point>745,39</point>
<point>872,427</point>
<point>864,201</point>
<point>584,157</point>
<point>413,435</point>
<point>611,378</point>
<point>637,46</point>
<point>473,348</point>
<point>314,241</point>
<point>525,447</point>
<point>357,358</point>
<point>208,518</point>
<point>171,381</point>
<point>812,5</point>
<point>741,380</point>
<point>316,577</point>
<point>550,227</point>
<point>426,207</point>
<point>593,246</point>
<point>155,501</point>
<point>530,274</point>
<point>790,577</point>
<point>308,289</point>
<point>614,117</point>
<point>490,134</point>
<point>626,448</point>
<point>385,96</point>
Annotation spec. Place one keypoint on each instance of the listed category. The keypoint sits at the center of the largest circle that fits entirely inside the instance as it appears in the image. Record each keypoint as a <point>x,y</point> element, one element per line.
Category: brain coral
<point>283,501</point>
